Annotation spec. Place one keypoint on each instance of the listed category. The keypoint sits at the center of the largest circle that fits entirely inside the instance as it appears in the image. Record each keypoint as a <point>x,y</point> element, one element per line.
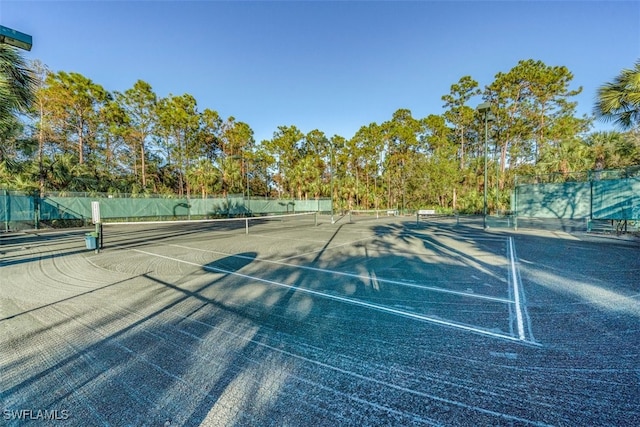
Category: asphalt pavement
<point>379,322</point>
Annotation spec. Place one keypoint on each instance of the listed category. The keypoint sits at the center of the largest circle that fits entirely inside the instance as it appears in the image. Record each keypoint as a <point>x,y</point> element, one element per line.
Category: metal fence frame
<point>608,195</point>
<point>20,210</point>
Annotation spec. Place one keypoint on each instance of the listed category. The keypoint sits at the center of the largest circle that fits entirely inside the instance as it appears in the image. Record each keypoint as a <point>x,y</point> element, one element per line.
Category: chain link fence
<point>19,210</point>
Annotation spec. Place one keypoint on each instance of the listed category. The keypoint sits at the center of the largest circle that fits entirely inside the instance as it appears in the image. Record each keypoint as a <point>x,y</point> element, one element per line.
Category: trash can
<point>91,240</point>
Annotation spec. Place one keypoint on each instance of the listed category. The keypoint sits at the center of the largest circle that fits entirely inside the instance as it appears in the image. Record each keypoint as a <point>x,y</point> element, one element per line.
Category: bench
<point>425,212</point>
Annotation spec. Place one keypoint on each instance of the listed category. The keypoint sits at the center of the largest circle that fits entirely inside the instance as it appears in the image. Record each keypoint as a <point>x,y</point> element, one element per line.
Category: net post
<point>97,250</point>
<point>97,221</point>
<point>417,218</point>
<point>246,226</point>
<point>315,218</point>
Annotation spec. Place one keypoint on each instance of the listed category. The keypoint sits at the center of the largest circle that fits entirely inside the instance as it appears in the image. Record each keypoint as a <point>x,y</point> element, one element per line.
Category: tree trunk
<point>462,149</point>
<point>40,154</point>
<point>80,148</point>
<point>455,198</point>
<point>143,165</point>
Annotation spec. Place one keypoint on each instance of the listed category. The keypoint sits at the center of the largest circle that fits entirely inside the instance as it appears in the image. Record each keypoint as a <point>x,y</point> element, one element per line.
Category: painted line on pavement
<point>356,276</point>
<point>351,301</point>
<point>516,290</point>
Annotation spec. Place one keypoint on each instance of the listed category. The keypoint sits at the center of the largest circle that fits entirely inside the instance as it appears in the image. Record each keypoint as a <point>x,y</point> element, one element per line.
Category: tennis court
<point>300,321</point>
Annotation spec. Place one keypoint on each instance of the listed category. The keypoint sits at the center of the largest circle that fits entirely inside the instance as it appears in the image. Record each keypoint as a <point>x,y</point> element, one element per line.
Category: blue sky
<point>333,66</point>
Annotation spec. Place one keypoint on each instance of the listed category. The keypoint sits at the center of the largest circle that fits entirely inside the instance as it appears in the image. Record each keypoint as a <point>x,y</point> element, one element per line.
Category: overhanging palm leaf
<point>17,84</point>
<point>619,100</point>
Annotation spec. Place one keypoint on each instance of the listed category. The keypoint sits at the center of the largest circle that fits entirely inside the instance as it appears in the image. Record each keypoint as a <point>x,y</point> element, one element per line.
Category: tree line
<point>61,131</point>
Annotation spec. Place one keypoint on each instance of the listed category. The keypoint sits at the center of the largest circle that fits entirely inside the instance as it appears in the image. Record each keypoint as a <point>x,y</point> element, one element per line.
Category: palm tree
<point>619,100</point>
<point>17,85</point>
<point>565,157</point>
<point>203,176</point>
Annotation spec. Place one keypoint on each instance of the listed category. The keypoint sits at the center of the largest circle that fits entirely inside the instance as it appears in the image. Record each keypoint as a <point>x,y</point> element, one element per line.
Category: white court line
<point>458,237</point>
<point>323,249</point>
<point>344,299</point>
<point>368,378</point>
<point>356,276</point>
<point>516,290</point>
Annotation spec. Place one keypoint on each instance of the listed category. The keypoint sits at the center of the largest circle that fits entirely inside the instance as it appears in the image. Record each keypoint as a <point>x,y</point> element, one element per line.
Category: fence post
<point>5,199</point>
<point>36,207</point>
<point>590,200</point>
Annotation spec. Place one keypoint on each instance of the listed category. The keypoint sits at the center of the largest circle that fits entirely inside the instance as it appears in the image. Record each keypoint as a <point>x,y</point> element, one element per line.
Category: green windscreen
<point>615,199</point>
<point>30,210</point>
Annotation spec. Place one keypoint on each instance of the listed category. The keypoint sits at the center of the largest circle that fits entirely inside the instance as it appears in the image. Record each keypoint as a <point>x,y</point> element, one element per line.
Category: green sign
<point>15,38</point>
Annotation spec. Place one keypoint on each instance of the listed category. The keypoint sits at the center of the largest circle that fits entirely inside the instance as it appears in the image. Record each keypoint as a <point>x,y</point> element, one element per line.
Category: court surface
<point>373,322</point>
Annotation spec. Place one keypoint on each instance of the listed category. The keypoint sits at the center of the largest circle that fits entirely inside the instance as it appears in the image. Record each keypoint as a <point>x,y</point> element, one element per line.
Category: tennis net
<point>143,231</point>
<point>356,215</point>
